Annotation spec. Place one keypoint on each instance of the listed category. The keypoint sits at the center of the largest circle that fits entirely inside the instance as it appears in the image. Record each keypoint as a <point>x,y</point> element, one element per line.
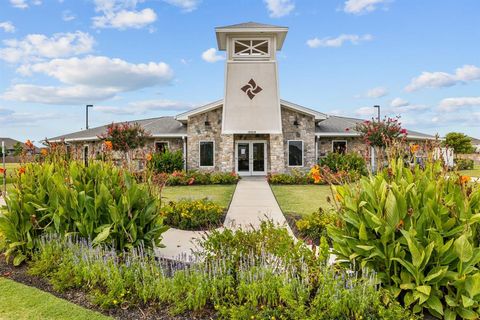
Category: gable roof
<point>156,127</point>
<point>9,143</point>
<point>337,126</point>
<point>216,104</point>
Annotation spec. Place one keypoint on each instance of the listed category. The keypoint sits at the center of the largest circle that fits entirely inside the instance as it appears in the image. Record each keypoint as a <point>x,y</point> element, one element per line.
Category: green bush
<point>350,162</point>
<point>314,225</point>
<point>193,214</point>
<point>99,202</point>
<point>464,164</point>
<point>194,177</point>
<point>294,177</point>
<point>417,228</point>
<point>262,274</point>
<point>167,162</point>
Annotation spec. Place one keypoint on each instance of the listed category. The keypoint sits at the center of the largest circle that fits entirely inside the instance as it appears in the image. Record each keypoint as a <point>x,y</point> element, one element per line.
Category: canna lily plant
<point>419,230</point>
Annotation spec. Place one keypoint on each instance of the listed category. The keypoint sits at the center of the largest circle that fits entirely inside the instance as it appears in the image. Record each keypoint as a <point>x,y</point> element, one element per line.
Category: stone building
<point>251,130</point>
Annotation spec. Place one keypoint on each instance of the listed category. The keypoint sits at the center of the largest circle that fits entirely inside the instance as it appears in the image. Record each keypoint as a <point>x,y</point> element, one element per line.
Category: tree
<point>381,133</point>
<point>460,142</point>
<point>17,149</point>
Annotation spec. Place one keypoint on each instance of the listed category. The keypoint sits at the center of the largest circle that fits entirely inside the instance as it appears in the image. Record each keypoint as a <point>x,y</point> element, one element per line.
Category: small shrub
<point>464,164</point>
<point>194,177</point>
<point>314,225</point>
<point>193,215</point>
<point>166,162</point>
<point>294,177</point>
<point>350,162</point>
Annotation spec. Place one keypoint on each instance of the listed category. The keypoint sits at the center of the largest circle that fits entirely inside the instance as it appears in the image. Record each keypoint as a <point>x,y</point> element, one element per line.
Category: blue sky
<point>136,59</point>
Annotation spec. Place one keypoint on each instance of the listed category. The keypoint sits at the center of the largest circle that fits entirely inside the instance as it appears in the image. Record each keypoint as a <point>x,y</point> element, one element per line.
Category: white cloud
<point>366,111</point>
<point>211,55</point>
<point>279,8</point>
<point>377,92</point>
<point>68,95</point>
<point>24,4</point>
<point>338,41</point>
<point>35,47</point>
<point>67,15</point>
<point>142,107</point>
<point>362,6</point>
<point>185,5</point>
<point>122,14</point>
<point>453,104</point>
<point>7,26</point>
<point>9,117</point>
<point>20,4</point>
<point>399,102</point>
<point>463,74</point>
<point>92,78</point>
<point>104,72</point>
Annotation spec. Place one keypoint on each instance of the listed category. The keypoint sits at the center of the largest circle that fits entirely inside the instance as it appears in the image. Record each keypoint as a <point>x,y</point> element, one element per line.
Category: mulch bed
<point>81,298</point>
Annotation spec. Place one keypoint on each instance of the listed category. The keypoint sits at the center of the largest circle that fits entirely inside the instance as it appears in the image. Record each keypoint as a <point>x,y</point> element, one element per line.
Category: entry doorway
<point>251,157</point>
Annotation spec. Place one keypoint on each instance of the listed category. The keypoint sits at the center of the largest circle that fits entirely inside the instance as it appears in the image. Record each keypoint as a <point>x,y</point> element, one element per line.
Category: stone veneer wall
<point>305,131</point>
<point>197,131</point>
<point>95,148</point>
<point>354,144</point>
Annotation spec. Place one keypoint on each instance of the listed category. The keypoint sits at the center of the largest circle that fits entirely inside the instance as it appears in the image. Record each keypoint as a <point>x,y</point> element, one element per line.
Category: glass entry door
<point>251,157</point>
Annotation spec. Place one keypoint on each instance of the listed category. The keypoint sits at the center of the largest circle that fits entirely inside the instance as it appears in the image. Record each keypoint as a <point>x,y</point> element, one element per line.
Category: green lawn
<point>221,194</point>
<point>472,173</point>
<point>21,302</point>
<point>302,199</point>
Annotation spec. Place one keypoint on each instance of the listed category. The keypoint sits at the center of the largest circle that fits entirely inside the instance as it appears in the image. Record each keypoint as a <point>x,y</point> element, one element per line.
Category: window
<point>207,150</point>
<point>295,153</point>
<point>251,48</point>
<point>161,146</point>
<point>339,146</point>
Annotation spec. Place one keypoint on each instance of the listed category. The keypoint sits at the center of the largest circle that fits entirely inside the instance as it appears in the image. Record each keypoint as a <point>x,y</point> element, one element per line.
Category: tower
<point>251,102</point>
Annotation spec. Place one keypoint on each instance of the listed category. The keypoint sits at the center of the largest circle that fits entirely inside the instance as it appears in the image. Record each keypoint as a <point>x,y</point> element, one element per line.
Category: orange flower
<point>338,197</point>
<point>149,157</point>
<point>464,179</point>
<point>29,144</point>
<point>21,170</point>
<point>108,145</point>
<point>3,171</point>
<point>44,152</point>
<point>315,174</point>
<point>414,148</point>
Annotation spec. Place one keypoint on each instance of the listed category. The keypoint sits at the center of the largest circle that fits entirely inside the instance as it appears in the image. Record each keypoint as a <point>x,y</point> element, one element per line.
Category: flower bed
<point>193,215</point>
<point>185,178</point>
<point>263,274</point>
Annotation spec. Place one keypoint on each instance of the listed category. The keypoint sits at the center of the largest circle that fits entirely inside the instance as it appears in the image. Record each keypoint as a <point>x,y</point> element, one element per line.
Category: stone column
<point>226,161</point>
<point>277,153</point>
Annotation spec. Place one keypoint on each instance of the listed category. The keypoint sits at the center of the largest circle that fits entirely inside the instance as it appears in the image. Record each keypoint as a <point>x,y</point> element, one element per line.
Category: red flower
<point>191,181</point>
<point>3,171</point>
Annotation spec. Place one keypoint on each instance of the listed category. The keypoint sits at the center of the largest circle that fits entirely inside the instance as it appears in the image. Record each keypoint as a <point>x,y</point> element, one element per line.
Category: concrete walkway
<point>252,202</point>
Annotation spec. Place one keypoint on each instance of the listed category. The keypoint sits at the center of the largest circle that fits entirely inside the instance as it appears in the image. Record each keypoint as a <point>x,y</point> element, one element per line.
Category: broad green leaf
<point>467,302</point>
<point>362,232</point>
<point>424,289</point>
<point>102,236</point>
<point>434,303</point>
<point>463,248</point>
<point>472,285</point>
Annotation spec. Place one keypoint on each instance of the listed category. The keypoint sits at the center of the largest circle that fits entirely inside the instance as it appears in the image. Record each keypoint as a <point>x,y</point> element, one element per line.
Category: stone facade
<point>207,126</point>
<point>299,126</point>
<point>354,144</point>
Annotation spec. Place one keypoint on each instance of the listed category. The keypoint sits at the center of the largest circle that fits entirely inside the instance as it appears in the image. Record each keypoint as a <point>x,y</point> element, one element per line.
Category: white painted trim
<point>210,106</point>
<point>288,154</point>
<point>336,134</point>
<point>296,107</point>
<point>250,57</point>
<point>346,144</point>
<point>171,135</point>
<point>161,141</point>
<point>200,155</point>
<point>250,158</point>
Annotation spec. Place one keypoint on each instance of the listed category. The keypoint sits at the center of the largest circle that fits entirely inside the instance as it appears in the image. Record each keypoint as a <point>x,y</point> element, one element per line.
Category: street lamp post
<point>378,112</point>
<point>86,111</point>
